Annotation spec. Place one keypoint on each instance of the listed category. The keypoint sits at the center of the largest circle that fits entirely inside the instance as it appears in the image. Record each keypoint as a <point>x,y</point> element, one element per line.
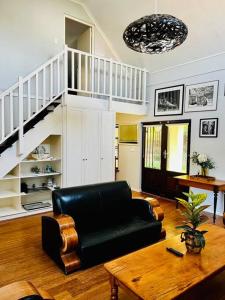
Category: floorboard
<point>22,258</point>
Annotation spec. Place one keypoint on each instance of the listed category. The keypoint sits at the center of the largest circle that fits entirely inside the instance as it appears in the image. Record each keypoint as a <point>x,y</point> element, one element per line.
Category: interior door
<point>74,148</point>
<point>92,146</point>
<point>107,138</point>
<point>166,149</point>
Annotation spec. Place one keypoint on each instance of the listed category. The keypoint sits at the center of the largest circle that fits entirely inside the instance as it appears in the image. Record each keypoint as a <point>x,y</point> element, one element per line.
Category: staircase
<point>71,71</point>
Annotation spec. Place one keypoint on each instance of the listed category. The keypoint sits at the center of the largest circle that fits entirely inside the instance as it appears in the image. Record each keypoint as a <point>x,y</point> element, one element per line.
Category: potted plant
<point>194,239</point>
<point>203,161</point>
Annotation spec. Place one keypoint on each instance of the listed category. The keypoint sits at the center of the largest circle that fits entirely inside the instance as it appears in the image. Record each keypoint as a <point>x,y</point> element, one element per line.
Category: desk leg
<point>114,288</point>
<point>224,208</point>
<point>215,205</point>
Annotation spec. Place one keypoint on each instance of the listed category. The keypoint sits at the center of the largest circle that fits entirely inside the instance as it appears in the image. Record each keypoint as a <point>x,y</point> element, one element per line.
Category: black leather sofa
<point>96,223</point>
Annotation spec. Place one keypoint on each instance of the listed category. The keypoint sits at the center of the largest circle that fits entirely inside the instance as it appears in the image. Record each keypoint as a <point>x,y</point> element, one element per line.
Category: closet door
<point>75,152</point>
<point>92,146</point>
<point>107,146</point>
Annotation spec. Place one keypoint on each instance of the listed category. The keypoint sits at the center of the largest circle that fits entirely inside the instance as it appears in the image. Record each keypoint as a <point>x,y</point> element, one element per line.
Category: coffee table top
<point>154,273</point>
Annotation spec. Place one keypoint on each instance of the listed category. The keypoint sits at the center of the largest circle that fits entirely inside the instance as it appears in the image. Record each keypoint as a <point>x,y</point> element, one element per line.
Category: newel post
<point>110,83</point>
<point>144,100</point>
<point>65,72</point>
<point>20,134</point>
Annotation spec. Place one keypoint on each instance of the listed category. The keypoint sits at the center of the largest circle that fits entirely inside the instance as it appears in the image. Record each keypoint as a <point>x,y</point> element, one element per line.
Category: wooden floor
<point>21,257</point>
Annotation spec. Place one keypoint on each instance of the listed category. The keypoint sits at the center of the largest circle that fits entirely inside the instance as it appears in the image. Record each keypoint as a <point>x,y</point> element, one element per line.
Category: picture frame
<point>201,96</point>
<point>169,101</point>
<point>208,128</point>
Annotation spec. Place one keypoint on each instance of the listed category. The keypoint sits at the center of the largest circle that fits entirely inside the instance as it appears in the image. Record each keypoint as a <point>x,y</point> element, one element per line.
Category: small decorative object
<point>35,170</point>
<point>204,162</point>
<point>24,188</point>
<point>193,238</point>
<point>156,33</point>
<point>50,182</point>
<point>201,97</point>
<point>169,101</point>
<point>49,169</point>
<point>41,152</point>
<point>208,127</point>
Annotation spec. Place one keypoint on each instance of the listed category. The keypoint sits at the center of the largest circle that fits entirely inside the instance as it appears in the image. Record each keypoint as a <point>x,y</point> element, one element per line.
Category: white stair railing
<point>70,71</point>
<point>29,96</point>
<point>93,75</point>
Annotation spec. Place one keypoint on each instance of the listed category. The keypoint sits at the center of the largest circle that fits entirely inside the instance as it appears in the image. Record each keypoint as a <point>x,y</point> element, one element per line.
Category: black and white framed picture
<point>208,127</point>
<point>202,96</point>
<point>169,101</point>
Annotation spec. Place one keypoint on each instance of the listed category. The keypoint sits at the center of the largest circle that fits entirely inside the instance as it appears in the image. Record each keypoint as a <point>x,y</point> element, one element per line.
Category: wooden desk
<point>154,273</point>
<point>201,183</point>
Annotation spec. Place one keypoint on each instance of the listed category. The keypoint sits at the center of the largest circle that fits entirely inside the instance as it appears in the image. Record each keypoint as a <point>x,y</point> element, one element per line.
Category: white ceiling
<point>205,20</point>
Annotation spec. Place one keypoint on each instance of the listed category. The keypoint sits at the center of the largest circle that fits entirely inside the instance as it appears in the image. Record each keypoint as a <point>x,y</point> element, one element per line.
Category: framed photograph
<point>202,96</point>
<point>208,127</point>
<point>169,101</point>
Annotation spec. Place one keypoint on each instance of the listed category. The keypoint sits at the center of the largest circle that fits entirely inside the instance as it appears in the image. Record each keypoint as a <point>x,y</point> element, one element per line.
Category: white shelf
<point>9,194</point>
<point>39,210</point>
<point>10,211</point>
<point>11,198</point>
<point>9,177</point>
<point>32,175</point>
<point>34,192</point>
<point>40,160</point>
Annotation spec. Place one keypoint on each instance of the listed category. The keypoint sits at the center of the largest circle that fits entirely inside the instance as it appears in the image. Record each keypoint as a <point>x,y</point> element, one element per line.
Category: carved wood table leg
<point>224,208</point>
<point>114,288</point>
<point>215,205</point>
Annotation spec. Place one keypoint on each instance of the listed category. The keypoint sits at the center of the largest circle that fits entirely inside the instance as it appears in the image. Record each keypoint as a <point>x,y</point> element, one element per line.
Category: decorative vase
<point>192,243</point>
<point>204,171</point>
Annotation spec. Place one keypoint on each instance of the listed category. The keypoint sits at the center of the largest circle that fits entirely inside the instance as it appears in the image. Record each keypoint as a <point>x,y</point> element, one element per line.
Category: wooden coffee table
<point>153,273</point>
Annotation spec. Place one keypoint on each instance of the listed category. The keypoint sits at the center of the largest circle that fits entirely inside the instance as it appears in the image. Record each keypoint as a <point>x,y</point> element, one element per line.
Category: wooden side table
<point>215,186</point>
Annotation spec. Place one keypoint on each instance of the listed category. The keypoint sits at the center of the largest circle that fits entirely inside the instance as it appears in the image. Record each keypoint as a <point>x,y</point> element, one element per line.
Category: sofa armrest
<point>60,241</point>
<point>143,209</point>
<point>156,209</point>
<point>158,212</point>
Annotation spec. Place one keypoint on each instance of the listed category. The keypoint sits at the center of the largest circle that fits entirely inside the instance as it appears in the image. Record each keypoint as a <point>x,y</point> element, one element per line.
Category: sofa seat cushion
<point>117,239</point>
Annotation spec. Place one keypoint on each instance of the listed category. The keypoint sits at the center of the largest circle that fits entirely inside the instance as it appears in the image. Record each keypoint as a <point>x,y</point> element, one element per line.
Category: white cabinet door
<point>74,148</point>
<point>107,142</point>
<point>92,146</point>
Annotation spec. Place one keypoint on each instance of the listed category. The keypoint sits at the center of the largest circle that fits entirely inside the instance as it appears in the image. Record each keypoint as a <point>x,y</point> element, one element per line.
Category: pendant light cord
<point>156,7</point>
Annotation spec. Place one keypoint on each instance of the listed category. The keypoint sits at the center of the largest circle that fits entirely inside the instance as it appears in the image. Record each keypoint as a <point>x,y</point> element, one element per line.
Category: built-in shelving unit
<point>22,186</point>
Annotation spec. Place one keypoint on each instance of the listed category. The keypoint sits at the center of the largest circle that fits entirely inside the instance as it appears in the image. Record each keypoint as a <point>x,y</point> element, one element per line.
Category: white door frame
<point>66,16</point>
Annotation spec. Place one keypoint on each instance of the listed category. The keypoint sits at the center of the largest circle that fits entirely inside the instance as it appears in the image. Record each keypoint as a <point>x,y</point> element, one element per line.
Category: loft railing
<point>105,78</point>
<point>71,71</point>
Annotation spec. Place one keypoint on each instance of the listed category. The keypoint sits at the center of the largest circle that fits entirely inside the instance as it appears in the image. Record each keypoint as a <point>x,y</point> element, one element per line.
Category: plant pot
<point>204,171</point>
<point>192,242</point>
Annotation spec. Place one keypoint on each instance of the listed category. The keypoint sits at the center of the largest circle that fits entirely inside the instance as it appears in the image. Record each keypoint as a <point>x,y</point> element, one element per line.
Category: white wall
<point>196,72</point>
<point>32,31</point>
<point>130,154</point>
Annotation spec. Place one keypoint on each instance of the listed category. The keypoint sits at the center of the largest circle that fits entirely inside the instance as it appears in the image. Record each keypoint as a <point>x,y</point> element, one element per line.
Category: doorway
<point>166,152</point>
<point>79,36</point>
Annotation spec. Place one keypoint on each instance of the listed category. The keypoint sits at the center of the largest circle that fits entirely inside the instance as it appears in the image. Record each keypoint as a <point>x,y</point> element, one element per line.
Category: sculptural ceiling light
<point>156,33</point>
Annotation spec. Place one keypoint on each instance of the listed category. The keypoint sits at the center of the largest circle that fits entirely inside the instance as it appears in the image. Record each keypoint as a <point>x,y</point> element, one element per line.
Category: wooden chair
<point>23,290</point>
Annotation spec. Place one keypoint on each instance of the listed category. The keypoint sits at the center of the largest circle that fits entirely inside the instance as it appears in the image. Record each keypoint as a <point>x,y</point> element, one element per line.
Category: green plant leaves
<point>193,209</point>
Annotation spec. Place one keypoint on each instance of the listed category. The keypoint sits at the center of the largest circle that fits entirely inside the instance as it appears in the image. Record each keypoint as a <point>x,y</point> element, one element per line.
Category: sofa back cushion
<point>93,206</point>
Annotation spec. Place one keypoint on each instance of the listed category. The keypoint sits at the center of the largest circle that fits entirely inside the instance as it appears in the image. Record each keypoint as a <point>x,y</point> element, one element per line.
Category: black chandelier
<point>155,34</point>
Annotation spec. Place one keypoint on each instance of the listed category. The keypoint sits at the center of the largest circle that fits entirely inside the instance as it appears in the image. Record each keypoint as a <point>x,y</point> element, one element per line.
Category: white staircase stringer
<point>50,125</point>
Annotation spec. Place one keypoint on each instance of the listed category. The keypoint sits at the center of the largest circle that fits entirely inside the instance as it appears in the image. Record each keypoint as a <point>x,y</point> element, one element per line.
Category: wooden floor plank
<point>22,258</point>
